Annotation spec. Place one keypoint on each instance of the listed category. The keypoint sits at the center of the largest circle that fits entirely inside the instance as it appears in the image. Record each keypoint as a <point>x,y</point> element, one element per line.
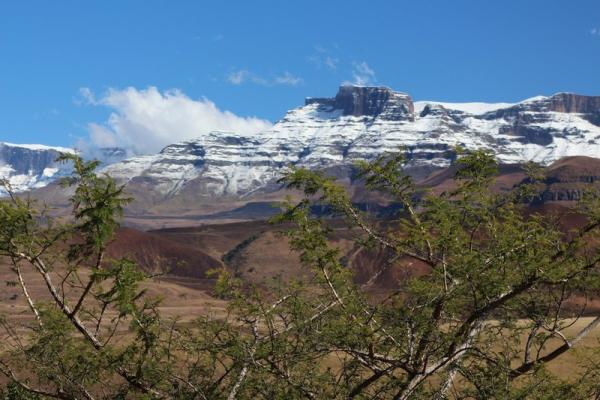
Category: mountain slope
<point>30,166</point>
<point>360,123</point>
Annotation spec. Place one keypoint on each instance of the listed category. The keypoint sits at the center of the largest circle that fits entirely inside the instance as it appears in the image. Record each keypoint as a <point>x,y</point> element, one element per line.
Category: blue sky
<point>65,65</point>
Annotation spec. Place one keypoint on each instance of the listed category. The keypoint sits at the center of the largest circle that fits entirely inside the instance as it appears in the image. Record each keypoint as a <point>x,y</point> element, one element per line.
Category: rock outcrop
<point>569,178</point>
<point>30,166</point>
<point>33,166</point>
<point>364,101</point>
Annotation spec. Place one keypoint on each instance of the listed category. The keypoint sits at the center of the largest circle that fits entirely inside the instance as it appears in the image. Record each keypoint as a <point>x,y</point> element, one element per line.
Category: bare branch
<point>528,366</point>
<point>30,302</point>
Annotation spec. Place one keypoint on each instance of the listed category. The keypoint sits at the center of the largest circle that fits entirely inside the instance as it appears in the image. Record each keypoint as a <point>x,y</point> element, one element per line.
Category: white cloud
<point>322,58</point>
<point>144,121</point>
<point>287,79</point>
<point>362,74</point>
<point>595,32</point>
<point>102,136</point>
<point>86,97</point>
<point>243,76</point>
<point>238,77</point>
<point>331,63</point>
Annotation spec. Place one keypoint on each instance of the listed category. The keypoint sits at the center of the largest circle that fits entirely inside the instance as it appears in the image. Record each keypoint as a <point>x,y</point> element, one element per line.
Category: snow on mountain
<point>470,108</point>
<point>30,166</point>
<point>39,147</point>
<point>360,123</point>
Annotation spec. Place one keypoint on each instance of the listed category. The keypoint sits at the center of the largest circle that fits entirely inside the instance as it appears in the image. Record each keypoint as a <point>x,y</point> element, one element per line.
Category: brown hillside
<point>577,168</point>
<point>158,254</point>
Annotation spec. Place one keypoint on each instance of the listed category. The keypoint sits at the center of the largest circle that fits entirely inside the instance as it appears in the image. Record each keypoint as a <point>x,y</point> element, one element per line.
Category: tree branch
<point>528,366</point>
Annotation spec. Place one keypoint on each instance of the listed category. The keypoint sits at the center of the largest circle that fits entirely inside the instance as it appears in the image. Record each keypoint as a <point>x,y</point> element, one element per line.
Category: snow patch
<point>40,147</point>
<point>469,108</point>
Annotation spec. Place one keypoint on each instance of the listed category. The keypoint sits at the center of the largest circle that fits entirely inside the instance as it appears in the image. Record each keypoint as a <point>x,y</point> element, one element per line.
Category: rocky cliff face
<point>359,101</point>
<point>573,103</point>
<point>360,123</point>
<point>569,178</point>
<point>30,166</point>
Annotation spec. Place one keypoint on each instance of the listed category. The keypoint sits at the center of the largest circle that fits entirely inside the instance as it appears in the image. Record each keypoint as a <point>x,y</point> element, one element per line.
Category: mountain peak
<point>368,101</point>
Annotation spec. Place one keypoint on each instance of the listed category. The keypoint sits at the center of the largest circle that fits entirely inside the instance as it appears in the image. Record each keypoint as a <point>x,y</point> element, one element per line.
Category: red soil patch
<point>159,254</point>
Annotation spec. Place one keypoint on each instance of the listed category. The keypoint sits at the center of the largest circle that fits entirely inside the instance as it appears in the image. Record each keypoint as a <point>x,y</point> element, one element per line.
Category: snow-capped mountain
<point>30,166</point>
<point>360,123</point>
<point>33,166</point>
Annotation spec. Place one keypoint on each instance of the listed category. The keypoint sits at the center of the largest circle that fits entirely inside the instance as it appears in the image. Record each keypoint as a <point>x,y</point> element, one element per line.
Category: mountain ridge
<point>359,122</point>
<point>30,166</point>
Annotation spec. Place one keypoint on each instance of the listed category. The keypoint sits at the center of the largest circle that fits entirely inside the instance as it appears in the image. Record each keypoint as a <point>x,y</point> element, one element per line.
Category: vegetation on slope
<point>483,323</point>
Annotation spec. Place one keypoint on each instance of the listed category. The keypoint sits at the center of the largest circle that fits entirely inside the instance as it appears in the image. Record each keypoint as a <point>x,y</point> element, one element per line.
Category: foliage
<point>494,309</point>
<point>229,257</point>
